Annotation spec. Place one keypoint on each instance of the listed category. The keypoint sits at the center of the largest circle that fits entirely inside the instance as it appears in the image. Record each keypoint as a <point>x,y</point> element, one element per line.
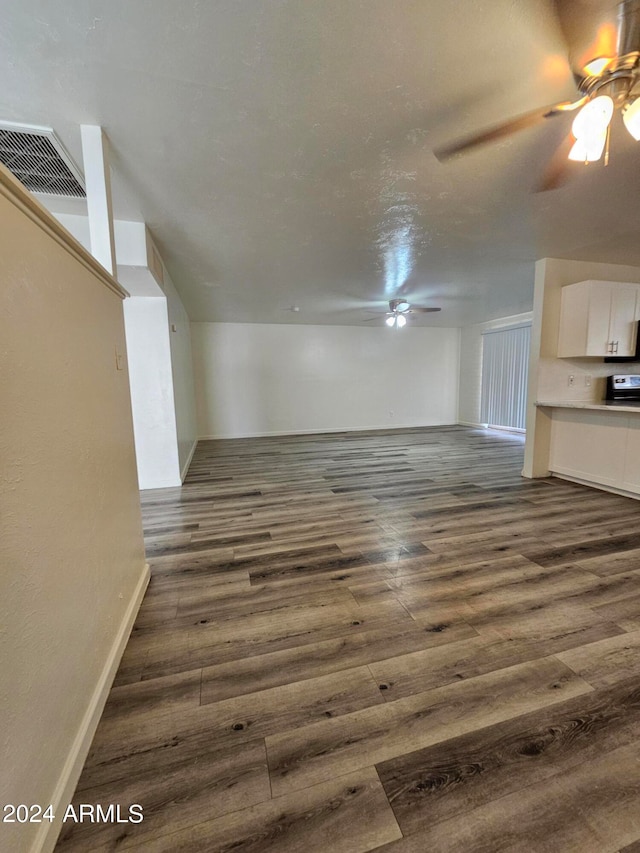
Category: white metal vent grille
<point>38,160</point>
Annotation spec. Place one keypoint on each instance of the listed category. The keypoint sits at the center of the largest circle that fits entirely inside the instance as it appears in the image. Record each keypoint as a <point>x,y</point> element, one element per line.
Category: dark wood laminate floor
<point>377,641</point>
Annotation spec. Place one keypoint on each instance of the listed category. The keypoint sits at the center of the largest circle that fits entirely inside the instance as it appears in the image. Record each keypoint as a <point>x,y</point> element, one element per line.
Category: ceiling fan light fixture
<point>401,321</point>
<point>631,118</point>
<point>587,151</point>
<point>593,118</point>
<point>402,306</point>
<point>590,129</point>
<point>390,321</point>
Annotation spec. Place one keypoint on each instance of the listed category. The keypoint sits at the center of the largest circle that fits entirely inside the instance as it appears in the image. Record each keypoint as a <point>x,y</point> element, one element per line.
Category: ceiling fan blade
<point>415,309</point>
<point>558,169</point>
<point>507,128</point>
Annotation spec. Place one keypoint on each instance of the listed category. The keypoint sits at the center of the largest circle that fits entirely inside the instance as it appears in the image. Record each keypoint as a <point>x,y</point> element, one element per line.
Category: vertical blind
<point>505,366</point>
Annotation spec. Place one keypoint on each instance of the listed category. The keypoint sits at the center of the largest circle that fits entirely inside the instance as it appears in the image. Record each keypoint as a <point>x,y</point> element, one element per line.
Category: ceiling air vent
<point>38,160</point>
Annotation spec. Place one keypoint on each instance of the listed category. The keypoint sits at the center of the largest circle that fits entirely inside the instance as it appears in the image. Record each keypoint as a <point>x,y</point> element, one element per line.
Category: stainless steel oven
<point>623,388</point>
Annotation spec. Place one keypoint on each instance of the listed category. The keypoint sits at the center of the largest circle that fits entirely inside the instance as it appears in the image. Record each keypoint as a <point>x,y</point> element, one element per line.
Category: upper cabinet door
<point>596,318</point>
<point>600,295</point>
<point>622,323</point>
<point>584,319</point>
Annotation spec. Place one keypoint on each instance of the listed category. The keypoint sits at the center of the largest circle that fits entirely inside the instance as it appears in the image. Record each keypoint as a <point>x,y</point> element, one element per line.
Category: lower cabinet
<point>632,457</point>
<point>598,447</point>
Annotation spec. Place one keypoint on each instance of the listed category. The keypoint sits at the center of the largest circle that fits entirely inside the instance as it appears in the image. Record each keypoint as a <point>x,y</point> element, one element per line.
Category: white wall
<point>548,374</point>
<point>72,567</point>
<point>152,400</point>
<point>254,379</point>
<point>130,237</point>
<point>182,372</point>
<point>78,226</point>
<point>471,365</point>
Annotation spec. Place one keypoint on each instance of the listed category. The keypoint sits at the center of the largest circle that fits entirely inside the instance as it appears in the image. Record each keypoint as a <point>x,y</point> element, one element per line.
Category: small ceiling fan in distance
<point>398,311</point>
<point>603,40</point>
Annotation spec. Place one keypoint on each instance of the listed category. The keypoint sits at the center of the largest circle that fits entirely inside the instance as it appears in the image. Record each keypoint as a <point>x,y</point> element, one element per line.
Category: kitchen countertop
<point>614,406</point>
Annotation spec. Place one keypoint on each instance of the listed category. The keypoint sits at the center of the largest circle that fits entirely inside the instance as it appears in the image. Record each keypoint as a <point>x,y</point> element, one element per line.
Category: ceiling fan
<point>398,311</point>
<point>604,53</point>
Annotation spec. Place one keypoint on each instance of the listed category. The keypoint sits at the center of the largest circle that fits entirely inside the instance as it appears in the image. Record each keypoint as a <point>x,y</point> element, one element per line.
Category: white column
<point>95,153</point>
<point>152,401</point>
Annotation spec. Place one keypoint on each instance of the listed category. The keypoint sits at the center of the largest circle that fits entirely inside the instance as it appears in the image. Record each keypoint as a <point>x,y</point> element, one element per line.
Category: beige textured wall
<point>71,550</point>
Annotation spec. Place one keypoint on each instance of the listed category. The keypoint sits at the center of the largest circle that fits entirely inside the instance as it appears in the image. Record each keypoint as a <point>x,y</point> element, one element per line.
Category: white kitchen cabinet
<point>590,446</point>
<point>598,318</point>
<point>632,457</point>
<point>622,323</point>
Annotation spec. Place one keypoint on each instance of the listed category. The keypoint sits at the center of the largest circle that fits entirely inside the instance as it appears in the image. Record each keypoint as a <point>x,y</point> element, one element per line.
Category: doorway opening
<point>505,370</point>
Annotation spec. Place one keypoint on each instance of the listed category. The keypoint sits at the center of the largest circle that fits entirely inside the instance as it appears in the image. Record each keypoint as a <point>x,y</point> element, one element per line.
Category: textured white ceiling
<point>281,150</point>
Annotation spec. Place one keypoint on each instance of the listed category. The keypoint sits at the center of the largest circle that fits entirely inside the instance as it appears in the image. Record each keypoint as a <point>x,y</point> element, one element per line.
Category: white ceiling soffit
<point>38,160</point>
<point>281,151</point>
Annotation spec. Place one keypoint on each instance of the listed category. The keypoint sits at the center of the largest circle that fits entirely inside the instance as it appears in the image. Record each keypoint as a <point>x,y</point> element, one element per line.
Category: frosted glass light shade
<point>588,151</point>
<point>631,118</point>
<point>390,321</point>
<point>590,129</point>
<point>593,118</point>
<point>401,321</point>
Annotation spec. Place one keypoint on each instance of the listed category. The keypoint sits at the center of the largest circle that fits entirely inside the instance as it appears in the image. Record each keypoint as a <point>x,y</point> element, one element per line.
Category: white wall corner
<point>154,261</point>
<point>185,467</point>
<point>537,444</point>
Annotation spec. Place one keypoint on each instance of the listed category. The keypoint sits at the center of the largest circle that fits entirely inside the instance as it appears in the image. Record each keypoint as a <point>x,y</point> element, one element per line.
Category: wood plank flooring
<point>376,641</point>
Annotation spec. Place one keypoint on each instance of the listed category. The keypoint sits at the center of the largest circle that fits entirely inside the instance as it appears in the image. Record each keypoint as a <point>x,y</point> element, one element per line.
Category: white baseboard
<point>513,430</point>
<point>474,425</point>
<point>604,487</point>
<point>321,431</point>
<point>185,467</point>
<point>48,833</point>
